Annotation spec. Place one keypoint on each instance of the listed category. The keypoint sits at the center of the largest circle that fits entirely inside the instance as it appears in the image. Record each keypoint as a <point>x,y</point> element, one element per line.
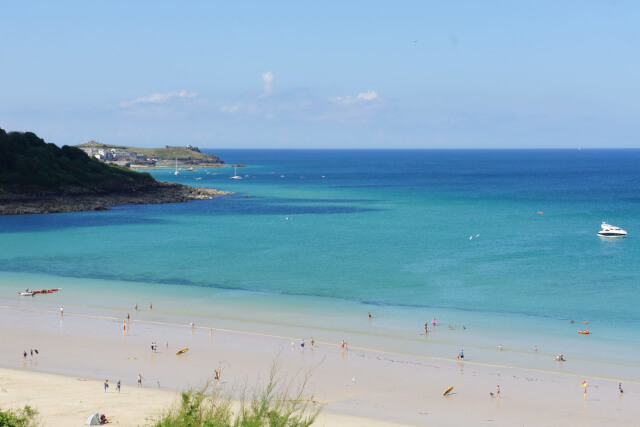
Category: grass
<point>278,403</point>
<point>25,417</point>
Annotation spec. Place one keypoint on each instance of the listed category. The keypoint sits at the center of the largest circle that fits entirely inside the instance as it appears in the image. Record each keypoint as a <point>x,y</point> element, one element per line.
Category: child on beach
<point>106,385</point>
<point>139,380</point>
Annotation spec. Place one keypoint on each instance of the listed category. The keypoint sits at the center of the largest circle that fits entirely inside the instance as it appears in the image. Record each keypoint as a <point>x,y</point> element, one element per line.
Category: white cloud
<point>268,83</point>
<point>362,97</point>
<point>368,95</point>
<point>230,109</point>
<point>157,98</point>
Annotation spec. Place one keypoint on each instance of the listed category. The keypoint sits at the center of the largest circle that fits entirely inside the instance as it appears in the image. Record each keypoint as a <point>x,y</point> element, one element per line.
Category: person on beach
<point>210,331</point>
<point>434,322</point>
<point>426,327</point>
<point>136,306</point>
<point>461,354</point>
<point>150,306</point>
<point>369,315</point>
<point>61,311</point>
<point>24,355</point>
<point>620,388</point>
<point>139,380</point>
<point>535,348</point>
<point>342,344</point>
<point>498,390</point>
<point>313,343</point>
<point>32,353</point>
<point>500,347</point>
<point>559,358</point>
<point>216,375</point>
<point>302,344</point>
<point>128,317</point>
<point>106,385</point>
<point>118,387</point>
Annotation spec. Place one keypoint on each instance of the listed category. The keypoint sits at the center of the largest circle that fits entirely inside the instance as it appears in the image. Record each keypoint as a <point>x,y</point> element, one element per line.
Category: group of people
<point>106,386</point>
<point>24,353</point>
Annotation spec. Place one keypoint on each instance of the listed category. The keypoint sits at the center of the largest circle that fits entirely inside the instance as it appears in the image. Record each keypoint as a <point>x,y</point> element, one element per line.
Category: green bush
<point>25,417</point>
<point>276,404</point>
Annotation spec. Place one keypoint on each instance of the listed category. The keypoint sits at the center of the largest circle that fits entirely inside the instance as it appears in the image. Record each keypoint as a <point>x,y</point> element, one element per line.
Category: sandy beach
<point>354,387</point>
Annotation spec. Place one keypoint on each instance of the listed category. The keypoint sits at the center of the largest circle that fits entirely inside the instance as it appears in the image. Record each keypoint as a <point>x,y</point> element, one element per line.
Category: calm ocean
<point>502,242</point>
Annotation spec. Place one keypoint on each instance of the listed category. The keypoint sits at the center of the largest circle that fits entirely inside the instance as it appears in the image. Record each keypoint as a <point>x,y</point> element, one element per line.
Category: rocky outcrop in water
<point>80,199</point>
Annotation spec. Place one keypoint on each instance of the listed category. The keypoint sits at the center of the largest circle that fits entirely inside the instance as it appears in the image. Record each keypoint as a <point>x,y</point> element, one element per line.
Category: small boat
<point>26,294</point>
<point>584,332</point>
<point>447,391</point>
<point>235,173</point>
<point>609,230</point>
<point>46,291</point>
<point>176,172</point>
<point>184,350</point>
<point>190,169</point>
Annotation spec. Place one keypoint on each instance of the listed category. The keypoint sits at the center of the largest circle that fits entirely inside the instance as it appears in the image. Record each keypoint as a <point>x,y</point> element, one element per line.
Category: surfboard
<point>184,350</point>
<point>447,391</point>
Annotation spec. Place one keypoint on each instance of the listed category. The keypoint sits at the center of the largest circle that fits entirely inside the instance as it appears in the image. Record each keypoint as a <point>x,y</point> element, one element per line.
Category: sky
<point>330,74</point>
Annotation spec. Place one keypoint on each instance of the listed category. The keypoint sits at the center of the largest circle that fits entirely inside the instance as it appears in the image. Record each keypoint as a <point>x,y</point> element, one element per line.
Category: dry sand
<point>354,387</point>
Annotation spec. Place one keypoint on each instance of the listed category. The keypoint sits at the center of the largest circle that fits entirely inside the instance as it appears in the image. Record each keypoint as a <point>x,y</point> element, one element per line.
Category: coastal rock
<point>78,199</point>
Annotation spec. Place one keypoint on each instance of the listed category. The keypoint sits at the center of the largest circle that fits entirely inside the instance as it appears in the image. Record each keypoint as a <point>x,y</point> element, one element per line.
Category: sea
<point>500,246</point>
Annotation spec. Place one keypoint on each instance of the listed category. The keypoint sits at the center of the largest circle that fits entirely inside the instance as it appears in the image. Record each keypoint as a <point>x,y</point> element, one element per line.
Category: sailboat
<point>235,173</point>
<point>176,172</point>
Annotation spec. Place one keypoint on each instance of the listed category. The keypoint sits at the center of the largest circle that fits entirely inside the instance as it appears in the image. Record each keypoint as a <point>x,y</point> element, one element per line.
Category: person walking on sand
<point>118,387</point>
<point>620,388</point>
<point>150,306</point>
<point>136,306</point>
<point>498,391</point>
<point>302,344</point>
<point>139,380</point>
<point>106,385</point>
<point>61,311</point>
<point>313,342</point>
<point>24,355</point>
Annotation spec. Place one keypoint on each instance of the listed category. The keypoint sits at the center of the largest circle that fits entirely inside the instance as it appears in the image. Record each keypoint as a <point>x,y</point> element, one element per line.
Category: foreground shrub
<point>25,417</point>
<point>276,404</point>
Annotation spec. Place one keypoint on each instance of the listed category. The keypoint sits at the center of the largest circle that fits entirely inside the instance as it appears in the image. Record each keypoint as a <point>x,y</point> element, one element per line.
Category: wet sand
<point>365,384</point>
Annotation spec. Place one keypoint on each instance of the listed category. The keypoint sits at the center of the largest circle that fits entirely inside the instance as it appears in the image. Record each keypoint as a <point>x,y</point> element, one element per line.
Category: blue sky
<point>297,74</point>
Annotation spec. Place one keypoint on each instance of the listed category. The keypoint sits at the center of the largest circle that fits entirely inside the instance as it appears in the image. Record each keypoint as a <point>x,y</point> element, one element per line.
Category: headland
<point>39,177</point>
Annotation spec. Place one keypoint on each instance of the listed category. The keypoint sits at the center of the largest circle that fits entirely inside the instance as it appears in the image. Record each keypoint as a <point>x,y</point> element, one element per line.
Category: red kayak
<point>46,291</point>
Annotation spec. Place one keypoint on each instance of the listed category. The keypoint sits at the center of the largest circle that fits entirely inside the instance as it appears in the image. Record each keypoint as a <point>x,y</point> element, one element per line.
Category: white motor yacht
<point>609,230</point>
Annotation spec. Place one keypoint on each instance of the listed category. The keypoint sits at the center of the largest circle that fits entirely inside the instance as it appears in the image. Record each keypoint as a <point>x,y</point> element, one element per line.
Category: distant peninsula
<point>40,177</point>
<point>135,157</point>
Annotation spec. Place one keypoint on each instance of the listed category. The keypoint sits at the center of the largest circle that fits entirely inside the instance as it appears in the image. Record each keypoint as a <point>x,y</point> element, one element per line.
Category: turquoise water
<point>383,231</point>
